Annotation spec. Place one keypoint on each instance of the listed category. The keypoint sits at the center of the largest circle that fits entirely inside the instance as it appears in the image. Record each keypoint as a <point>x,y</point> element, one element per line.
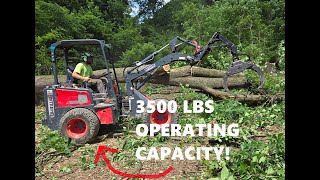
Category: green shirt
<point>84,70</point>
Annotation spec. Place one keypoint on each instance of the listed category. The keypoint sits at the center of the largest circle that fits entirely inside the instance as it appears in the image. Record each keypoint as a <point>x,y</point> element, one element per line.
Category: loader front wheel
<point>161,118</point>
<point>79,124</point>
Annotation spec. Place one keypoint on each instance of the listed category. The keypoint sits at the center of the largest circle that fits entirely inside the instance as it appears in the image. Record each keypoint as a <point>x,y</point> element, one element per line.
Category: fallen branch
<point>243,98</point>
<point>70,172</point>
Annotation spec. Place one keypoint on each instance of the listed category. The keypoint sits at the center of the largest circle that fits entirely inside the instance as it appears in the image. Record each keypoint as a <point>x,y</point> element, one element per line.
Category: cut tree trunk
<point>205,80</point>
<point>47,80</point>
<point>162,70</point>
<point>199,72</point>
<point>196,82</point>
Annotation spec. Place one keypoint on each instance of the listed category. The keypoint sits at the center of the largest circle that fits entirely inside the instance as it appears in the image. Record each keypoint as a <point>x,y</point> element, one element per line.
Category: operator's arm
<point>94,76</point>
<point>97,76</point>
<point>77,71</point>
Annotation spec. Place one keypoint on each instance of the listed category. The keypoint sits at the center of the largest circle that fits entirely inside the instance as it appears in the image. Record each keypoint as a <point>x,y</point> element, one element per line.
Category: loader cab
<point>69,51</point>
<point>62,99</point>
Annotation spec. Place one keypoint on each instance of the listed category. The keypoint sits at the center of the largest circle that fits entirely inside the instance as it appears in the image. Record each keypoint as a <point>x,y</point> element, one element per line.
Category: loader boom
<point>236,67</point>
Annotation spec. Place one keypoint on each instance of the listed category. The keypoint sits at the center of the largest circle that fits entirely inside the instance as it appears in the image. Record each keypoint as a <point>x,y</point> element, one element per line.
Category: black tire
<point>71,122</point>
<point>173,117</point>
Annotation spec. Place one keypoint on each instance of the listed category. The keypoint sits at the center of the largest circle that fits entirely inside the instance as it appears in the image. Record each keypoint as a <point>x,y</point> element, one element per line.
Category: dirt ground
<point>53,169</point>
<point>72,167</point>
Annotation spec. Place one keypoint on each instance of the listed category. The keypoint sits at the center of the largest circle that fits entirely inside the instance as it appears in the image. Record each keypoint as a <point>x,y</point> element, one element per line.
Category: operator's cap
<point>86,55</point>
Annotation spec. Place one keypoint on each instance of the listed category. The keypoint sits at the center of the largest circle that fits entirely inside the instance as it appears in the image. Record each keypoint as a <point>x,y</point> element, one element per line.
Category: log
<point>206,80</point>
<point>197,82</point>
<point>162,70</point>
<point>194,82</point>
<point>121,72</point>
<point>209,85</point>
<point>199,72</point>
<point>42,81</point>
<point>166,89</point>
<point>177,72</point>
<point>47,80</point>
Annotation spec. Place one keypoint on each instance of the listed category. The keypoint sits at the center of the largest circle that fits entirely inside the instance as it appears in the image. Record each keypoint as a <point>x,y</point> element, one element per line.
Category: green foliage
<point>129,123</point>
<point>39,115</point>
<point>51,145</point>
<point>256,27</point>
<point>229,110</point>
<point>125,38</point>
<point>137,53</point>
<point>177,64</point>
<point>188,93</point>
<point>52,141</point>
<point>257,159</point>
<point>66,169</point>
<point>43,63</point>
<point>147,8</point>
<point>87,159</point>
<point>54,22</point>
<point>224,175</point>
<point>274,83</point>
<point>221,61</point>
<point>261,116</point>
<point>281,55</point>
<point>254,160</point>
<point>153,88</point>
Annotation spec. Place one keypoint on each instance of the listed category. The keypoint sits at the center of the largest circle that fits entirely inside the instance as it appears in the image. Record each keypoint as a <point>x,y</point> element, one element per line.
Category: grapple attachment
<point>240,66</point>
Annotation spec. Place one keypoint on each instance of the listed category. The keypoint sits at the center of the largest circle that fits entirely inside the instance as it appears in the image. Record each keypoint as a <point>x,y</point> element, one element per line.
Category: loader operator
<point>84,73</point>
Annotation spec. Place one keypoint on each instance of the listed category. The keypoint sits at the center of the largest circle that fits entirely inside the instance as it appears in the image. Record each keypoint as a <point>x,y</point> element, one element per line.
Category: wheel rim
<point>76,128</point>
<point>160,118</point>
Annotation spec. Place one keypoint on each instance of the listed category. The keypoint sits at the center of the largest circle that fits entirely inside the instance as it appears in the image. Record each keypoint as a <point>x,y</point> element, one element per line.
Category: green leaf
<point>262,159</point>
<point>272,116</point>
<point>91,166</point>
<point>231,178</point>
<point>66,169</point>
<point>270,171</point>
<point>224,173</point>
<point>245,137</point>
<point>38,174</point>
<point>214,179</point>
<point>254,159</point>
<point>243,167</point>
<point>49,166</point>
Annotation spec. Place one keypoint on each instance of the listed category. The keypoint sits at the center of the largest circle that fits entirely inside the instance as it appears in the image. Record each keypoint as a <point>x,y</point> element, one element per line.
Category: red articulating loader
<point>76,111</point>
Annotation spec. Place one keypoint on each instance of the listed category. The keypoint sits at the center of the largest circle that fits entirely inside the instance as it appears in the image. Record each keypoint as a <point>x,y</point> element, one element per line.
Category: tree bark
<point>199,72</point>
<point>196,82</point>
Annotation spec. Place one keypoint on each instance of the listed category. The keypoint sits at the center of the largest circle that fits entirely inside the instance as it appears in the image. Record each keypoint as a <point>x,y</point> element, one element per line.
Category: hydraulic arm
<point>237,65</point>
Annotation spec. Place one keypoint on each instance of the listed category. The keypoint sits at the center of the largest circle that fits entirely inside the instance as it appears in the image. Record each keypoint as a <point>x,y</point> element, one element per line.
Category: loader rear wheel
<point>79,124</point>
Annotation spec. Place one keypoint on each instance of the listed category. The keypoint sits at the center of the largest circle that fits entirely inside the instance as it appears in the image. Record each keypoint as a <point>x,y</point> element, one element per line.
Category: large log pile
<point>203,80</point>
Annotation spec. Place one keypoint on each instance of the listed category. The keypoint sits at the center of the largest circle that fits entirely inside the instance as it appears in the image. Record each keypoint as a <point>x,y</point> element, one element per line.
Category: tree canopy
<point>255,26</point>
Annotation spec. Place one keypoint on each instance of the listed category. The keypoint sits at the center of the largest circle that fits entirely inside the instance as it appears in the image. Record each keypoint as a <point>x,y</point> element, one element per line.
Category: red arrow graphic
<point>101,150</point>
